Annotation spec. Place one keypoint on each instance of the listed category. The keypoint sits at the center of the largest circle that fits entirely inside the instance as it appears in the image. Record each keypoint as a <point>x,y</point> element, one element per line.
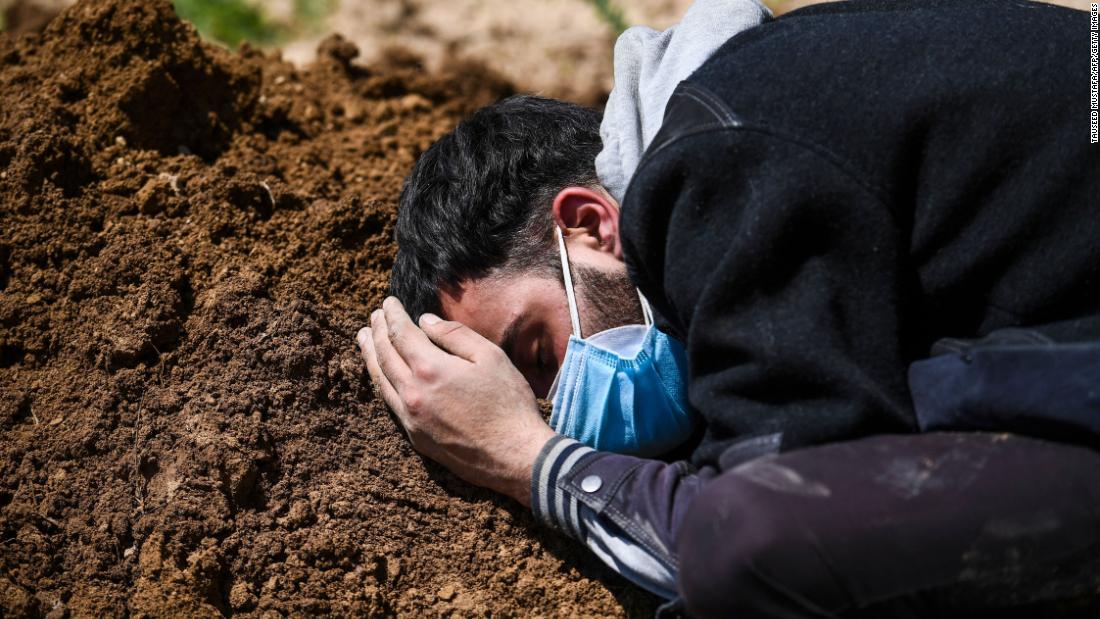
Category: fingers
<point>389,361</point>
<point>408,340</point>
<point>456,338</point>
<point>377,376</point>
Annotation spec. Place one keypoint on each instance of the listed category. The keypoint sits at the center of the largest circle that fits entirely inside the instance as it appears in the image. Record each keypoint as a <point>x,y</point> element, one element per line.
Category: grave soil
<point>189,240</point>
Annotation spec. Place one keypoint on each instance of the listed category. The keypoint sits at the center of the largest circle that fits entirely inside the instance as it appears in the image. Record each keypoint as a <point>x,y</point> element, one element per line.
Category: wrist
<point>519,482</point>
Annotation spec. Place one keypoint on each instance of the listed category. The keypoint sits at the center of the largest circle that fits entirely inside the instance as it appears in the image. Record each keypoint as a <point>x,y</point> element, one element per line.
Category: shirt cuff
<point>551,505</point>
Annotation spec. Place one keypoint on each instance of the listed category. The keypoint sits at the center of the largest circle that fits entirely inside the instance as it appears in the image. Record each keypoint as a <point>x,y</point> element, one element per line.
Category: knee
<point>742,552</point>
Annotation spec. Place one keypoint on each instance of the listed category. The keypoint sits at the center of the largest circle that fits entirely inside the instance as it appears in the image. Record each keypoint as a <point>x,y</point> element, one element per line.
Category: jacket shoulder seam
<point>841,164</point>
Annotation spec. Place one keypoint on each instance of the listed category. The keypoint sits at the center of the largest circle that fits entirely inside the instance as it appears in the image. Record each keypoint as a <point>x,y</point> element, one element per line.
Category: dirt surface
<point>21,16</point>
<point>559,48</point>
<point>189,240</point>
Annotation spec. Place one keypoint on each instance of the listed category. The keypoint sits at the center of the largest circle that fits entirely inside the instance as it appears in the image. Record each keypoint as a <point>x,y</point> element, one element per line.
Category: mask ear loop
<point>647,311</point>
<point>574,315</point>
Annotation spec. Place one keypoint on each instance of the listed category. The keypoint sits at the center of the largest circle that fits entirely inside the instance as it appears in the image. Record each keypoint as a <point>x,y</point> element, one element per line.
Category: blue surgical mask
<point>623,389</point>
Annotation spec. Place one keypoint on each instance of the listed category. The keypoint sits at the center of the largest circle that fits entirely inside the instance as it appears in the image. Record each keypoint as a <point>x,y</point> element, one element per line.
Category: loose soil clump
<point>189,240</point>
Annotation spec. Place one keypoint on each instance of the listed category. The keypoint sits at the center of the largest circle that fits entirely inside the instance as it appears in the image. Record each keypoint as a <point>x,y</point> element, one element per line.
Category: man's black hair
<point>478,201</point>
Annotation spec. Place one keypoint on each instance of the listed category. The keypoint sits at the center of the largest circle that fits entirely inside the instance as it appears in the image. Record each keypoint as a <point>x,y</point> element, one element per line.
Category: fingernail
<point>375,316</point>
<point>429,319</point>
<point>388,302</point>
<point>363,335</point>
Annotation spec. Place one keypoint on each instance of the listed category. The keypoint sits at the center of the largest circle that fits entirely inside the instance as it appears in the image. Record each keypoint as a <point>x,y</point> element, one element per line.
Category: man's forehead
<point>487,305</point>
<point>497,305</point>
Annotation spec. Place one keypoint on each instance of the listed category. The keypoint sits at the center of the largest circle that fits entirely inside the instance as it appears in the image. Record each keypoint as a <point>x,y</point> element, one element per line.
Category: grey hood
<point>648,66</point>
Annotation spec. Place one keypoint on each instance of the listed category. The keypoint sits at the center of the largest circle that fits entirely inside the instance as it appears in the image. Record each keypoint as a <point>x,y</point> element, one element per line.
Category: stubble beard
<point>610,299</point>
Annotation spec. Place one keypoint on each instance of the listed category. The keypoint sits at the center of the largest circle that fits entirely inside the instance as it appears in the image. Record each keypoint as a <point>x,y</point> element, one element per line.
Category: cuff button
<point>591,483</point>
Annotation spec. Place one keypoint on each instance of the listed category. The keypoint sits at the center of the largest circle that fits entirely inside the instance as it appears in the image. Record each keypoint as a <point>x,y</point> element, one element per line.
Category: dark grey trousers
<point>931,525</point>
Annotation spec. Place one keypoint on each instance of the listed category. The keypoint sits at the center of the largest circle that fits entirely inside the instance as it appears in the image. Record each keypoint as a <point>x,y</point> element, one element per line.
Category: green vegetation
<point>611,14</point>
<point>312,13</point>
<point>229,21</point>
<point>234,21</point>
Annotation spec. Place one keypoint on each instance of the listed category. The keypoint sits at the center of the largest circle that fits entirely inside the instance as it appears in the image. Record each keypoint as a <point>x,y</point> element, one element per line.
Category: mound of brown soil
<point>189,240</point>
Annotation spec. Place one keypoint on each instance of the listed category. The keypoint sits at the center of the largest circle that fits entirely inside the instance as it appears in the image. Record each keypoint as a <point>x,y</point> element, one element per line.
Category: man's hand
<point>460,399</point>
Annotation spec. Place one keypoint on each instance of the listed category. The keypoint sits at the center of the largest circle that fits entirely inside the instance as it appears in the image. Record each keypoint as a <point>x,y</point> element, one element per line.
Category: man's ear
<point>592,213</point>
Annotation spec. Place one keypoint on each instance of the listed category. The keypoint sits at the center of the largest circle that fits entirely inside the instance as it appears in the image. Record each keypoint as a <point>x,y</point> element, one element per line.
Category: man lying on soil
<point>831,196</point>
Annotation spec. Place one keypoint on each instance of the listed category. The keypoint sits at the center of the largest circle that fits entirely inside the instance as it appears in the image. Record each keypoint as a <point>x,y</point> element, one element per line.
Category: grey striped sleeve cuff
<point>552,505</point>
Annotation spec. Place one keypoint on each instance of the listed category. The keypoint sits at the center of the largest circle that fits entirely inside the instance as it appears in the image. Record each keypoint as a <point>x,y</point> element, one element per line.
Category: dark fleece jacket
<point>836,189</point>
